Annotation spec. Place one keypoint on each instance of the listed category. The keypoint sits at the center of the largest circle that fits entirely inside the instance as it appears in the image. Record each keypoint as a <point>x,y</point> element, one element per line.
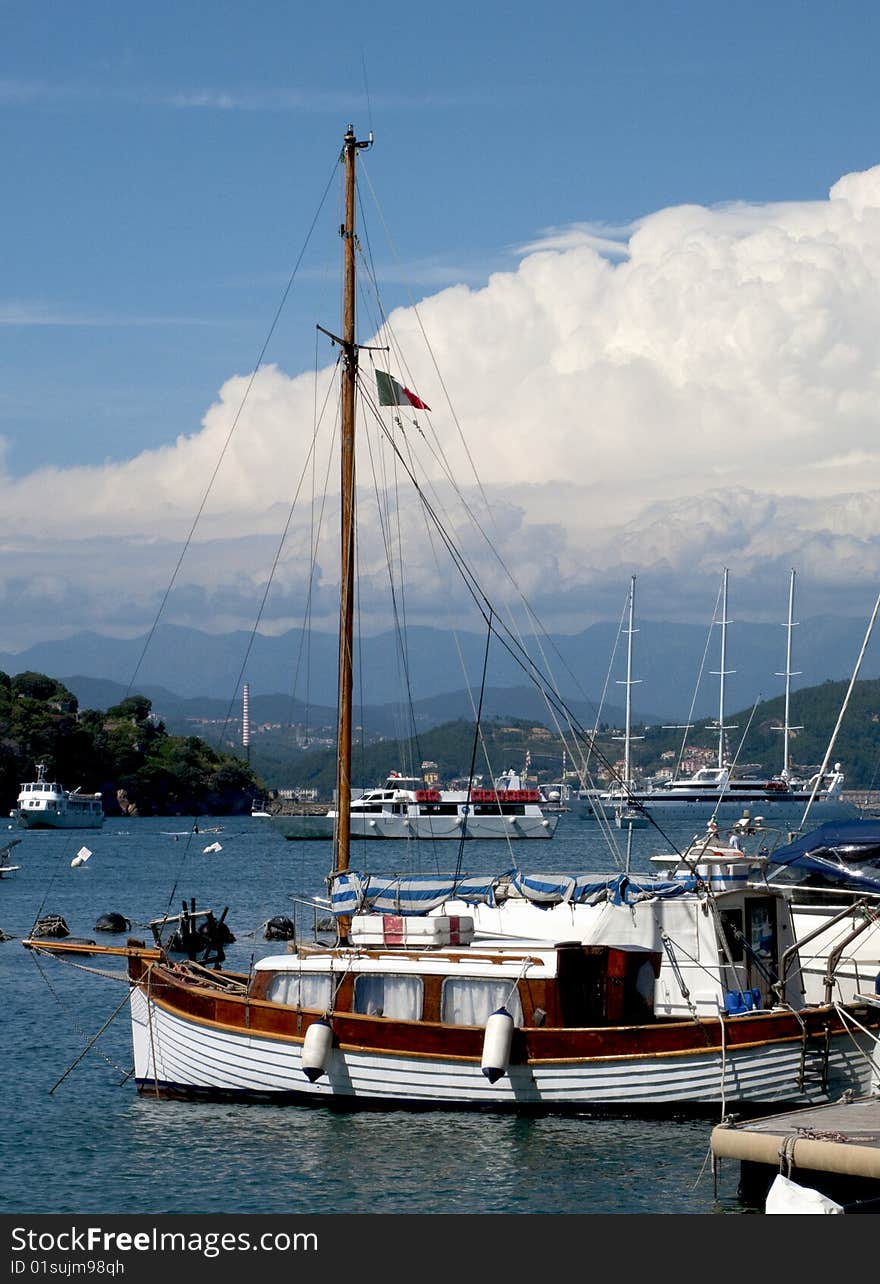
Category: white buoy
<point>496,1045</point>
<point>317,1046</point>
<point>81,857</point>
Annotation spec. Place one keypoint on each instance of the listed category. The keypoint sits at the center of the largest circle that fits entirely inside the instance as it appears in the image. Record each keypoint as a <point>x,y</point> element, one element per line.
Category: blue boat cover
<point>354,893</point>
<point>833,851</point>
<point>621,889</point>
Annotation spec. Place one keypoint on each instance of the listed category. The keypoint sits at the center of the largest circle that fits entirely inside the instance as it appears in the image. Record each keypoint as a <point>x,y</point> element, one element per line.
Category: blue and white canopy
<point>587,889</point>
<point>355,893</point>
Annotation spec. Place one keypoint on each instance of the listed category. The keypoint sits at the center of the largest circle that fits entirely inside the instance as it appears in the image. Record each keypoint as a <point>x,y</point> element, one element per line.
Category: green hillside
<point>751,738</point>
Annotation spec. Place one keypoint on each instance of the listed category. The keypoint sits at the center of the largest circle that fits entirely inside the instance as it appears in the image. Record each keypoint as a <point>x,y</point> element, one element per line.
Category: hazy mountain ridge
<point>198,715</point>
<point>667,659</point>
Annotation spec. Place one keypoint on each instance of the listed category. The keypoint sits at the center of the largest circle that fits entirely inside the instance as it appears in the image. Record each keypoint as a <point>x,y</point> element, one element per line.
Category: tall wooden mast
<point>347,516</point>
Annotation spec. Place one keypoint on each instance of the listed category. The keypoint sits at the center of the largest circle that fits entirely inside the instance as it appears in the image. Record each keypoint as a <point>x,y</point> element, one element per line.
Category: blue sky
<point>162,164</point>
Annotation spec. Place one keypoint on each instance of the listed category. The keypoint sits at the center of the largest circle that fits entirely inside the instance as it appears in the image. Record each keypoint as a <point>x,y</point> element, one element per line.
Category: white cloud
<point>698,391</point>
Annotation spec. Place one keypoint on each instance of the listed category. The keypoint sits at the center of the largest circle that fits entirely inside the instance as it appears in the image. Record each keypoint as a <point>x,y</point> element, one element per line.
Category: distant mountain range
<point>206,715</point>
<point>182,665</point>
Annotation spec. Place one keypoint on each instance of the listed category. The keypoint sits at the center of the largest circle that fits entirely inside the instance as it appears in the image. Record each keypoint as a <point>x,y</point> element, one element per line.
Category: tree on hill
<point>123,753</point>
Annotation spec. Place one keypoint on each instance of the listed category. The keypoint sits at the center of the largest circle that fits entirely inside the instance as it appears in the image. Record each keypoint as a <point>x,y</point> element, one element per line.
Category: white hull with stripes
<point>186,1057</point>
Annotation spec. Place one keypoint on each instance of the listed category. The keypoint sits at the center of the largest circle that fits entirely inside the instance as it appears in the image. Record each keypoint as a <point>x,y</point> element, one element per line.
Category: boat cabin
<point>567,985</point>
<point>722,941</point>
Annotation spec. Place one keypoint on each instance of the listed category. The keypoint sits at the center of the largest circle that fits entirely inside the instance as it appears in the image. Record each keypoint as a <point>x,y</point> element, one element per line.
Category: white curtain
<point>377,994</point>
<point>301,990</point>
<point>468,1001</point>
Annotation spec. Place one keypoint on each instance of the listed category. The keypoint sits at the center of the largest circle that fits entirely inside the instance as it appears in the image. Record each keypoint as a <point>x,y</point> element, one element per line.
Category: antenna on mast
<point>789,673</point>
<point>629,682</point>
<point>723,673</point>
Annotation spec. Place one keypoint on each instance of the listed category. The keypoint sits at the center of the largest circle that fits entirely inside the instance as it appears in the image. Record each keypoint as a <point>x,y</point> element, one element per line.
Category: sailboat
<point>720,791</point>
<point>674,992</point>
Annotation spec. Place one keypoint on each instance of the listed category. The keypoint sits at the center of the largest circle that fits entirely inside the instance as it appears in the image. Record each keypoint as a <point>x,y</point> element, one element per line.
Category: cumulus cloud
<point>697,391</point>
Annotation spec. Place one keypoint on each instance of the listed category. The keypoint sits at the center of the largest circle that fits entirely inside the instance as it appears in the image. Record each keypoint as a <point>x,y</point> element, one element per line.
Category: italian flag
<point>392,393</point>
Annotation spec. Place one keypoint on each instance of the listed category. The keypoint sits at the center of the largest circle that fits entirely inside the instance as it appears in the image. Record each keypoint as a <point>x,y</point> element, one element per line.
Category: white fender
<point>496,1045</point>
<point>316,1049</point>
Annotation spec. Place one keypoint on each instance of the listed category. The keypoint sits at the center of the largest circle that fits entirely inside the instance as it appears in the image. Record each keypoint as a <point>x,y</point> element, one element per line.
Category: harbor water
<point>78,1138</point>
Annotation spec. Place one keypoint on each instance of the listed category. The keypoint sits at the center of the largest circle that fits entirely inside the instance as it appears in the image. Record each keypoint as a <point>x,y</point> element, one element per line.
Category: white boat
<point>659,1005</point>
<point>830,881</point>
<point>44,804</point>
<point>663,997</point>
<point>715,791</point>
<point>259,809</point>
<point>405,808</point>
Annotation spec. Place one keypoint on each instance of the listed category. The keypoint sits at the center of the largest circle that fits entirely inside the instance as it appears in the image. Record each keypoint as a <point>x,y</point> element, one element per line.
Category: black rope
<point>461,840</point>
<point>508,640</point>
<point>229,435</point>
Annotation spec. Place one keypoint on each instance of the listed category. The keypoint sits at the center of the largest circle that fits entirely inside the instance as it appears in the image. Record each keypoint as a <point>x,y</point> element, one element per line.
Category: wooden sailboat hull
<point>189,1042</point>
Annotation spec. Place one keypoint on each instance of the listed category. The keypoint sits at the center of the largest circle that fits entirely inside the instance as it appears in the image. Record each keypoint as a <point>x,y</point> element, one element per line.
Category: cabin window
<point>732,926</point>
<point>300,990</point>
<point>471,1001</point>
<point>762,932</point>
<point>399,997</point>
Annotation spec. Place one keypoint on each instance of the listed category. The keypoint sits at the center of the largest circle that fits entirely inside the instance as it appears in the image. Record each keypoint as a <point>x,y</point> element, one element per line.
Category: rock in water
<point>279,928</point>
<point>113,922</point>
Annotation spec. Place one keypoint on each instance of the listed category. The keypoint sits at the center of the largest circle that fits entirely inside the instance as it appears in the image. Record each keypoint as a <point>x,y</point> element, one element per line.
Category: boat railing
<point>793,951</point>
<point>870,919</point>
<point>323,921</point>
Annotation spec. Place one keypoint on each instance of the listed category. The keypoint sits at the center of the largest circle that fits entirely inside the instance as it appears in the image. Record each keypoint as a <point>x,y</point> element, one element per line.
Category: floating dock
<point>834,1149</point>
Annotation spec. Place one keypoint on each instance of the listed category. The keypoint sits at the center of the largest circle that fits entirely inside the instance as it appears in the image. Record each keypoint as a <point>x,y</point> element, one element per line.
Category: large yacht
<point>716,791</point>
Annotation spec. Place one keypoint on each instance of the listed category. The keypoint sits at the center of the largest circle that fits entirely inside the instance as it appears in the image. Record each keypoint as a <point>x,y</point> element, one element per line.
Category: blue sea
<point>78,1139</point>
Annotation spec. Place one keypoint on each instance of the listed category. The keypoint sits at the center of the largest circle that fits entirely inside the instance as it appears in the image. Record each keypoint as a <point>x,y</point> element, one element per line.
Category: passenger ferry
<point>44,804</point>
<point>404,808</point>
